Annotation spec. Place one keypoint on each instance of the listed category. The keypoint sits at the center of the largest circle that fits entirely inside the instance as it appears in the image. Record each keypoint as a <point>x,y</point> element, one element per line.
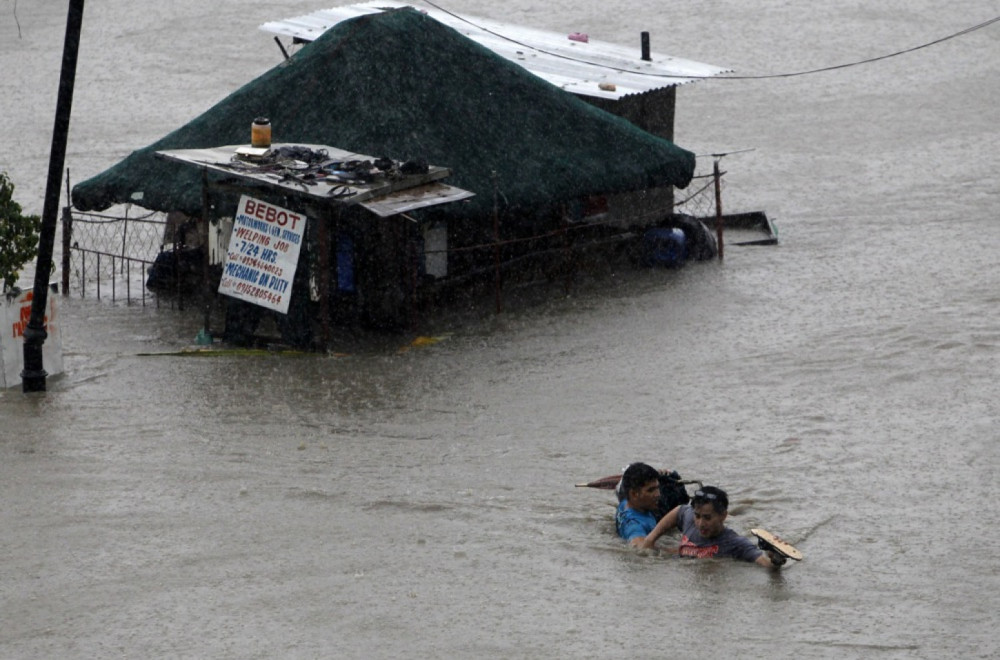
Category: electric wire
<point>835,67</point>
<point>869,60</point>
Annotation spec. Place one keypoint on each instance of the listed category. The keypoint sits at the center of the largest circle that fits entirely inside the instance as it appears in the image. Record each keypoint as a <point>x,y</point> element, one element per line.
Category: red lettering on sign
<point>18,327</point>
<point>271,214</point>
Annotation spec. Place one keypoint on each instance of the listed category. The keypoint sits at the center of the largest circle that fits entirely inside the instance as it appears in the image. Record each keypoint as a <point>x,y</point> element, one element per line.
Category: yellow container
<point>260,132</point>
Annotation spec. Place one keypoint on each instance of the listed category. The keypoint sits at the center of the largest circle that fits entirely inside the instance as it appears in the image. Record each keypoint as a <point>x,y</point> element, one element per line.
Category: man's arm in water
<point>666,523</point>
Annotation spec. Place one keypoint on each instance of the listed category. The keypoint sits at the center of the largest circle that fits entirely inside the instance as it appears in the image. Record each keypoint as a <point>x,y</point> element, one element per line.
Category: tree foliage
<point>18,235</point>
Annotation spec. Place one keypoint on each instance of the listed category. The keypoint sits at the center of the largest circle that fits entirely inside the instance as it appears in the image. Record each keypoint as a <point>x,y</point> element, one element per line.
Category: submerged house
<point>402,85</point>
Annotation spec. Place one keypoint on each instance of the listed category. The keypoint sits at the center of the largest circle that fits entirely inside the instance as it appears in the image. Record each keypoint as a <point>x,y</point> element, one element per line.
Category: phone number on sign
<point>257,292</point>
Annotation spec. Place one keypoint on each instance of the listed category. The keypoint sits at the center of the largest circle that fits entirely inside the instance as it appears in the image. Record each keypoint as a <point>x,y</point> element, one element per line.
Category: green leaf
<point>18,235</point>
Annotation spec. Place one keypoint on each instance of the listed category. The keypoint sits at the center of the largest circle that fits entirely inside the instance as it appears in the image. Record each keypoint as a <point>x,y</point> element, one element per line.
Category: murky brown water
<point>843,385</point>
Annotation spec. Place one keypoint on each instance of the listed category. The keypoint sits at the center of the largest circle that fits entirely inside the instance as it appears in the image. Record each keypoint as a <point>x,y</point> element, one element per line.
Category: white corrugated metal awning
<point>593,68</point>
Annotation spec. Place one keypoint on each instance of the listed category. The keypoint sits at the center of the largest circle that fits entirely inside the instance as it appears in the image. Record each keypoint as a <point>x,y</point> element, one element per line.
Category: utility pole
<point>33,375</point>
<point>718,206</point>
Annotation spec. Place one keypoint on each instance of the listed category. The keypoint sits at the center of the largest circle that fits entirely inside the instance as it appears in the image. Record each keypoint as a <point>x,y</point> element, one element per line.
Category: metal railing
<point>110,254</point>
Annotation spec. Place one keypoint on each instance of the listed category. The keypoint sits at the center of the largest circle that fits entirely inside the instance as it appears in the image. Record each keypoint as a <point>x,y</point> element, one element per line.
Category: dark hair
<point>636,476</point>
<point>711,495</point>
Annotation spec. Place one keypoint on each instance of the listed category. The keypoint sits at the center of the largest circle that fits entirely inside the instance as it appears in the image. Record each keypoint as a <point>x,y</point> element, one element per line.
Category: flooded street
<point>842,386</point>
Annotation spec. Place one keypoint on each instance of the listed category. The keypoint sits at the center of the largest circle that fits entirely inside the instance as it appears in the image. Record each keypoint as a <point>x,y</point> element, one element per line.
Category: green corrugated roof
<point>402,85</point>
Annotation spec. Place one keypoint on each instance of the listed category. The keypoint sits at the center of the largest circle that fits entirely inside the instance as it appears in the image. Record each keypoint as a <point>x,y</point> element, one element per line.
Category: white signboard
<point>263,252</point>
<point>15,312</point>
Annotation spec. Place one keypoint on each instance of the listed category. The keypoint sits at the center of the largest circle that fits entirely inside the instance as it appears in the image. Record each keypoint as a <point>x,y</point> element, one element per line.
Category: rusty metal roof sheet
<point>589,68</point>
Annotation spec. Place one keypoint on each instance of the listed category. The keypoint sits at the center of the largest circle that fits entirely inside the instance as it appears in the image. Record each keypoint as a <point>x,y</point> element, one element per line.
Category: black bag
<point>672,493</point>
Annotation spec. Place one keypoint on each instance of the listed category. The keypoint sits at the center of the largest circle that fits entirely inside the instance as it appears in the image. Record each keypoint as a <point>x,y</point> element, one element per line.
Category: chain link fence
<point>111,254</point>
<point>698,199</point>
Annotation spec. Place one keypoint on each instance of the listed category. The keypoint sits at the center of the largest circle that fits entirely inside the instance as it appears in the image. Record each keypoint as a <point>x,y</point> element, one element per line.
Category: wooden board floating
<point>776,543</point>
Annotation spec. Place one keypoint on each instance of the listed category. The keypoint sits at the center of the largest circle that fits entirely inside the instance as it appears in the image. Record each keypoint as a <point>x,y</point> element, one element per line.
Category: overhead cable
<point>870,59</point>
<point>835,67</point>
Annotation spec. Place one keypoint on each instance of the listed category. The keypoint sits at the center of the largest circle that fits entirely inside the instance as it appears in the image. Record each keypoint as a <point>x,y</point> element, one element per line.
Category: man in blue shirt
<point>704,533</point>
<point>639,493</point>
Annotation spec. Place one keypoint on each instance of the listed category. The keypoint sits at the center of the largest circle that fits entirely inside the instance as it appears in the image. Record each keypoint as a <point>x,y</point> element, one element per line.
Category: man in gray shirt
<point>704,532</point>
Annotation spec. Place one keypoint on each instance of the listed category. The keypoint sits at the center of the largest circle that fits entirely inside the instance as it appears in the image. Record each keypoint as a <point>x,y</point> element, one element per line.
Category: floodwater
<point>843,386</point>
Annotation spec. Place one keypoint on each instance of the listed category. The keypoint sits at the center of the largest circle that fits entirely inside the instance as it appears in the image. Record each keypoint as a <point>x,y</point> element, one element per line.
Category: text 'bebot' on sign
<point>271,214</point>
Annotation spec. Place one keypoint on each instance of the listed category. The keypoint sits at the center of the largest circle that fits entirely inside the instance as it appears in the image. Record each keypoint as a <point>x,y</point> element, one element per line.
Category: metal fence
<point>110,255</point>
<point>699,198</point>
